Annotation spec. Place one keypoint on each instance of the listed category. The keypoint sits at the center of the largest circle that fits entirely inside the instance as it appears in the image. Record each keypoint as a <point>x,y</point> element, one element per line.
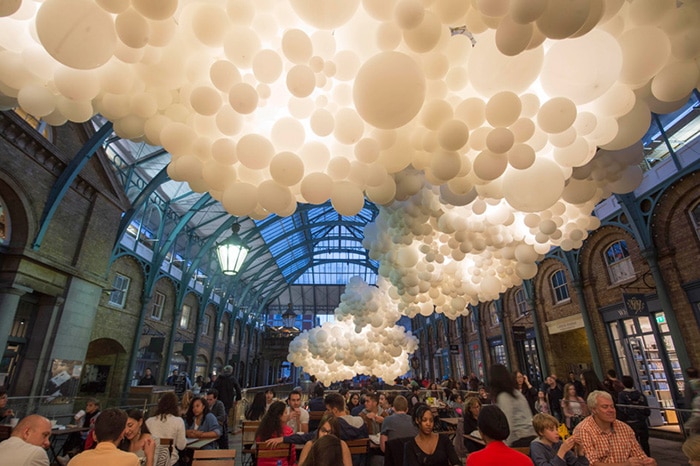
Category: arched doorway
<point>105,367</point>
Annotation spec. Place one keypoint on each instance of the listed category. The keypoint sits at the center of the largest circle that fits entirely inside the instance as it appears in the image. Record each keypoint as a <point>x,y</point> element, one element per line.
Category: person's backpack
<point>634,414</point>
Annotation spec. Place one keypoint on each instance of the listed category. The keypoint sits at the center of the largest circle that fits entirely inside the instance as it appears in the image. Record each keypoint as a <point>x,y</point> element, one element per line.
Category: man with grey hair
<point>605,439</point>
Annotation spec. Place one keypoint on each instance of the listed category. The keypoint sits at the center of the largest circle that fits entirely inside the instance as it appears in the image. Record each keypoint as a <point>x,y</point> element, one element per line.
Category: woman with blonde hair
<point>691,449</point>
<point>573,407</point>
<point>472,407</point>
<point>187,398</point>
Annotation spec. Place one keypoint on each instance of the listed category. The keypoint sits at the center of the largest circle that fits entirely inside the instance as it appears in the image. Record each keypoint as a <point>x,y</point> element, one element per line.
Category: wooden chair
<point>214,458</point>
<point>523,450</point>
<point>314,419</point>
<point>358,446</point>
<point>248,441</point>
<point>283,451</point>
<point>164,451</point>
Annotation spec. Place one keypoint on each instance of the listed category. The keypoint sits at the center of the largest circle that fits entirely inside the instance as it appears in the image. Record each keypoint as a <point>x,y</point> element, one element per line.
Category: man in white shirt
<point>298,418</point>
<point>28,443</point>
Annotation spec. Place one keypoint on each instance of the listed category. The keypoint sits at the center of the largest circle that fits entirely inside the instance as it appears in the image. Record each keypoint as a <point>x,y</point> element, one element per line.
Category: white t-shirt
<point>16,452</point>
<point>172,427</point>
<point>303,419</point>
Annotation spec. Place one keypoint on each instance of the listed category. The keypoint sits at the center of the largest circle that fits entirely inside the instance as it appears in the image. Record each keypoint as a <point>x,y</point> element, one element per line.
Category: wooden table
<point>199,443</point>
<point>475,439</point>
<point>58,432</point>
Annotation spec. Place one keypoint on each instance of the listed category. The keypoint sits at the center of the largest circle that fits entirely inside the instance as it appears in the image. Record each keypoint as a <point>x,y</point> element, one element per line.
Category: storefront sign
<point>565,324</point>
<point>635,304</point>
<point>519,333</point>
<point>454,349</point>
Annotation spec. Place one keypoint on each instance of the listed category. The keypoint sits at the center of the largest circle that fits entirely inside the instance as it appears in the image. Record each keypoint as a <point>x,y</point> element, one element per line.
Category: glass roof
<point>314,246</point>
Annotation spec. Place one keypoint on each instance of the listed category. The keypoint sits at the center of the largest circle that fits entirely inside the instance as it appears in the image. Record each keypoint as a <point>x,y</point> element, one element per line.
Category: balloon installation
<point>486,130</point>
<point>364,338</point>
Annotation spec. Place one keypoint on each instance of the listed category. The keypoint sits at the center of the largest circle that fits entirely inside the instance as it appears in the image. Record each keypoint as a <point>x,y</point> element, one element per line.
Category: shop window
<point>206,324</point>
<point>695,218</point>
<point>521,303</point>
<point>494,320</point>
<point>120,287</point>
<point>617,258</point>
<point>157,305</point>
<point>185,316</point>
<point>560,288</point>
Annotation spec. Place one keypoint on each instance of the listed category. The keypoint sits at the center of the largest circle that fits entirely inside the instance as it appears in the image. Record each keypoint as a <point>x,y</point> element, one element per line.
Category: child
<point>542,404</point>
<point>549,450</point>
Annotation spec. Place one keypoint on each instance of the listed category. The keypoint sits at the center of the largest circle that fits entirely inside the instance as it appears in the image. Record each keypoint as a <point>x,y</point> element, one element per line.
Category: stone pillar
<point>77,320</point>
<point>9,301</point>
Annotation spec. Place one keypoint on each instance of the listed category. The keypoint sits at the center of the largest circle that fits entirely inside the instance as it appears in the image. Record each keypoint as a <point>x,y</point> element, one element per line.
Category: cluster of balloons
<point>268,103</point>
<point>364,338</point>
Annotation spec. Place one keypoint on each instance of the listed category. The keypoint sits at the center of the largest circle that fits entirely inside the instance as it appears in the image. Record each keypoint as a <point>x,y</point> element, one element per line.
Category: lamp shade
<point>232,253</point>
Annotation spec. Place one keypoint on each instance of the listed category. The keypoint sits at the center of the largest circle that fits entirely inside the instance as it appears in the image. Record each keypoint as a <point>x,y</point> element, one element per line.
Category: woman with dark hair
<point>506,396</point>
<point>256,410</point>
<point>330,427</point>
<point>167,424</point>
<point>201,423</point>
<point>137,438</point>
<point>326,451</point>
<point>353,402</point>
<point>529,392</point>
<point>591,383</point>
<point>428,448</point>
<point>273,425</point>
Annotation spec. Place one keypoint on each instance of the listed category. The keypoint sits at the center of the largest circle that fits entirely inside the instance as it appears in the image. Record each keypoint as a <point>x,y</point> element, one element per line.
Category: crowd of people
<point>584,421</point>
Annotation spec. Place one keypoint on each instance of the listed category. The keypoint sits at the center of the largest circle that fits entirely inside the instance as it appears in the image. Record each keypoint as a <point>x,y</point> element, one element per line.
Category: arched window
<point>617,258</point>
<point>695,218</point>
<point>521,302</point>
<point>4,224</point>
<point>493,314</point>
<point>559,287</point>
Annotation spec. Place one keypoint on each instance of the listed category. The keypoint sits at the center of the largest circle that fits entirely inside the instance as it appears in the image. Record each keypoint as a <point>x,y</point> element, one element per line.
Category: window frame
<point>157,304</point>
<point>206,323</point>
<point>493,312</point>
<point>185,316</point>
<point>522,307</point>
<point>119,291</point>
<point>693,220</point>
<point>556,288</point>
<point>620,269</point>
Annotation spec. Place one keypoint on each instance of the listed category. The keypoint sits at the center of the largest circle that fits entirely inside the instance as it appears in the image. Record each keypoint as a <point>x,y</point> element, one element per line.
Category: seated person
<point>548,449</point>
<point>327,451</point>
<point>109,431</point>
<point>274,425</point>
<point>328,427</point>
<point>351,427</point>
<point>606,439</point>
<point>428,448</point>
<point>399,424</point>
<point>28,443</point>
<point>200,423</point>
<point>472,407</point>
<point>493,427</point>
